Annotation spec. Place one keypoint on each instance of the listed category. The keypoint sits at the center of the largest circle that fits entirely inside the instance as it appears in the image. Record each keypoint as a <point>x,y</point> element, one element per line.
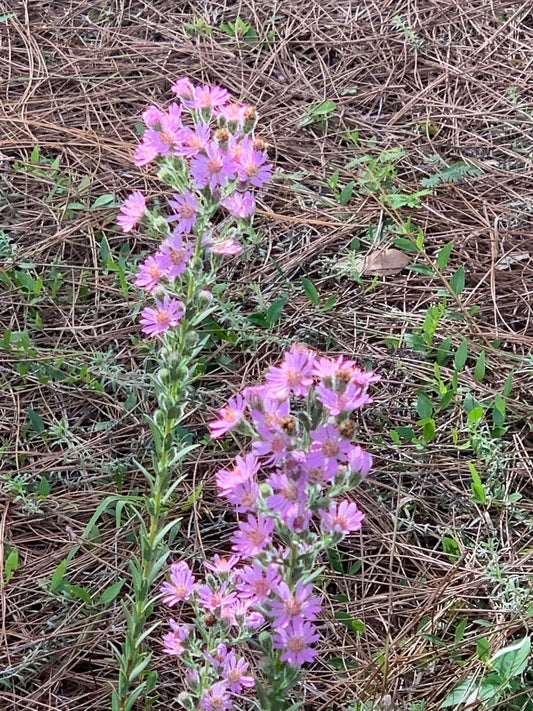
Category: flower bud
<point>222,137</point>
<point>288,424</point>
<point>250,119</point>
<point>265,489</point>
<point>209,619</point>
<point>347,429</point>
<point>258,144</point>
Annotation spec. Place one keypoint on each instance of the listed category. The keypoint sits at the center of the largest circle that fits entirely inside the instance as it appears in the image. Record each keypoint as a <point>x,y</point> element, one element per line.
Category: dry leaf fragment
<point>510,259</point>
<point>385,262</point>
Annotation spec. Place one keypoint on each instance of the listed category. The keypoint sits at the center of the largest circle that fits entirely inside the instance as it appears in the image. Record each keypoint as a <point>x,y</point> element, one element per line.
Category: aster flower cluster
<point>288,492</point>
<point>209,154</point>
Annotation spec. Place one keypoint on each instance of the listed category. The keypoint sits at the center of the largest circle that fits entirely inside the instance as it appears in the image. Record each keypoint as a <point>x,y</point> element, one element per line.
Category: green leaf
<point>80,593</point>
<point>443,256</point>
<point>424,269</point>
<point>457,282</point>
<point>429,429</point>
<point>340,663</point>
<point>462,692</point>
<point>479,370</point>
<point>451,548</point>
<point>11,564</point>
<point>508,385</point>
<point>36,420</point>
<point>405,244</point>
<point>58,575</point>
<point>3,18</point>
<point>483,649</point>
<point>106,200</point>
<point>110,593</point>
<point>512,661</point>
<point>326,107</point>
<point>34,157</point>
<point>461,354</point>
<point>44,487</point>
<point>478,490</point>
<point>345,619</point>
<point>310,291</point>
<point>346,193</point>
<point>330,302</point>
<point>476,414</point>
<point>460,630</point>
<point>335,561</point>
<point>424,405</point>
<point>275,310</point>
<point>498,411</point>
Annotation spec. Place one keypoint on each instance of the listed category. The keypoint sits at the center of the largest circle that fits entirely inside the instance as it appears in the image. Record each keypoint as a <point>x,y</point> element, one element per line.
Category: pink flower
<point>216,698</point>
<point>253,536</point>
<point>131,211</point>
<point>244,469</point>
<point>293,375</point>
<point>317,470</point>
<point>234,673</point>
<point>273,443</point>
<point>213,599</point>
<point>240,204</point>
<point>254,620</point>
<point>214,168</point>
<point>328,441</point>
<point>183,88</point>
<point>208,97</point>
<point>251,166</point>
<point>244,496</point>
<point>343,518</point>
<point>289,493</point>
<point>152,116</point>
<point>257,583</point>
<point>221,565</point>
<point>168,133</point>
<point>177,253</point>
<point>328,368</point>
<point>297,517</point>
<point>194,141</point>
<point>230,416</point>
<point>165,316</point>
<point>186,208</point>
<point>294,639</point>
<point>234,113</point>
<point>352,398</point>
<point>150,272</point>
<point>173,641</point>
<point>145,153</point>
<point>218,657</point>
<point>228,247</point>
<point>359,460</point>
<point>295,605</point>
<point>181,584</point>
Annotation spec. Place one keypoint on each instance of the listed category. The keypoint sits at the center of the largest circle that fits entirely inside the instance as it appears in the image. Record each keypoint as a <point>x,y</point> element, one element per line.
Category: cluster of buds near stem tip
<point>285,491</point>
<point>209,155</point>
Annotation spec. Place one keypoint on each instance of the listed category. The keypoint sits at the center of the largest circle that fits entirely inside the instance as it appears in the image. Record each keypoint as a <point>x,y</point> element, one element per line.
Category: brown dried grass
<point>76,76</point>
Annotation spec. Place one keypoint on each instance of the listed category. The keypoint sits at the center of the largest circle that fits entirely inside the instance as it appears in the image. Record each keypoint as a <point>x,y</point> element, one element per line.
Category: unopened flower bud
<point>347,429</point>
<point>343,376</point>
<point>222,135</point>
<point>265,489</point>
<point>250,119</point>
<point>258,144</point>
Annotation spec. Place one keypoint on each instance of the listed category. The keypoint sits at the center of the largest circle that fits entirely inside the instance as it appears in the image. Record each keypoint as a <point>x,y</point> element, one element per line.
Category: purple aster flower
<point>253,536</point>
<point>271,443</point>
<point>256,584</point>
<point>293,605</point>
<point>293,375</point>
<point>218,656</point>
<point>213,599</point>
<point>152,116</point>
<point>244,496</point>
<point>217,698</point>
<point>131,211</point>
<point>145,153</point>
<point>359,460</point>
<point>177,253</point>
<point>245,468</point>
<point>240,204</point>
<point>290,492</point>
<point>221,565</point>
<point>186,207</point>
<point>353,398</point>
<point>214,168</point>
<point>194,142</point>
<point>251,166</point>
<point>208,97</point>
<point>297,517</point>
<point>230,416</point>
<point>227,247</point>
<point>328,368</point>
<point>151,271</point>
<point>166,315</point>
<point>181,584</point>
<point>234,113</point>
<point>268,411</point>
<point>317,471</point>
<point>183,88</point>
<point>295,640</point>
<point>234,673</point>
<point>342,518</point>
<point>328,441</point>
<point>173,641</point>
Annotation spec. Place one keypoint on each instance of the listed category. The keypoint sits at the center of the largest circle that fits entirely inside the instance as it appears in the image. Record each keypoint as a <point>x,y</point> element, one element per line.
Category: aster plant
<point>206,150</point>
<point>289,492</point>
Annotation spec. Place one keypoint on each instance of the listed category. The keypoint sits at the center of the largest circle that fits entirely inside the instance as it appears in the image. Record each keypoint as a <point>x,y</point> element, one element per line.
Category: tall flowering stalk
<point>208,154</point>
<point>285,490</point>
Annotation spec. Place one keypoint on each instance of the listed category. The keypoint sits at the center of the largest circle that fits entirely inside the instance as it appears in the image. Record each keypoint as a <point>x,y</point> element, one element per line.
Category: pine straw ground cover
<point>440,578</point>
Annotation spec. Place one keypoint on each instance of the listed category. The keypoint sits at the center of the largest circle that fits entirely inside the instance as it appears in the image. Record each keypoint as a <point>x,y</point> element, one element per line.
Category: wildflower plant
<point>207,152</point>
<point>289,492</point>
